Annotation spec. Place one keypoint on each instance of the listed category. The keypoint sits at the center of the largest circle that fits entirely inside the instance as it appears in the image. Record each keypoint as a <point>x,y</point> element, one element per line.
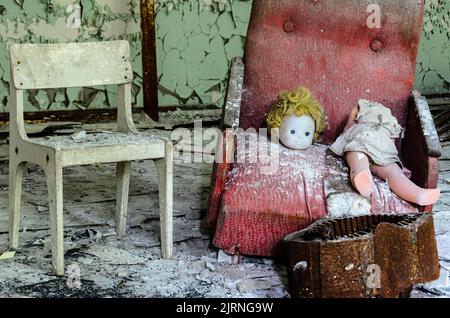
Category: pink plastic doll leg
<point>403,187</point>
<point>360,172</point>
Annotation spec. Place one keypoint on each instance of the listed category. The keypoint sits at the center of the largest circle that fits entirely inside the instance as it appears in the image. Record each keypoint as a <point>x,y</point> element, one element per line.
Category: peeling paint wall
<point>196,40</point>
<point>48,21</point>
<point>195,45</point>
<point>433,62</point>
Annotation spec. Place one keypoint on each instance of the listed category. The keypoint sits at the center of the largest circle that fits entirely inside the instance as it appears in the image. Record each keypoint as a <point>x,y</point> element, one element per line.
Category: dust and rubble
<point>132,266</point>
<point>103,138</point>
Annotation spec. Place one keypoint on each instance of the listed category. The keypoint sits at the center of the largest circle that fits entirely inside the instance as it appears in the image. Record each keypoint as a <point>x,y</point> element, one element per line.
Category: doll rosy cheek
<point>297,132</point>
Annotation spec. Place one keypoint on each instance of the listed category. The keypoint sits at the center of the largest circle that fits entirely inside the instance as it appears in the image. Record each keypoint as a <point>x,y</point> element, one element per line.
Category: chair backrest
<point>40,66</point>
<point>329,47</point>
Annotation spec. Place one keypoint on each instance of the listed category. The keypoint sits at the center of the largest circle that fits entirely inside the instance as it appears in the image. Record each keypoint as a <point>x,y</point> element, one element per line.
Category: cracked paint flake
<point>196,41</point>
<point>46,21</point>
<point>433,62</point>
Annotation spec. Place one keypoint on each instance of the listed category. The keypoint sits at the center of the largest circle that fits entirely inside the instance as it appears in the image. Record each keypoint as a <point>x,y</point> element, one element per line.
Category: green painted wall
<point>45,21</point>
<point>196,40</point>
<point>433,62</point>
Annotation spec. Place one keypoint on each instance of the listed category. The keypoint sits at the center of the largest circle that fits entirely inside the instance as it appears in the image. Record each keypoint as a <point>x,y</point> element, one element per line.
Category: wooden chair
<point>44,66</point>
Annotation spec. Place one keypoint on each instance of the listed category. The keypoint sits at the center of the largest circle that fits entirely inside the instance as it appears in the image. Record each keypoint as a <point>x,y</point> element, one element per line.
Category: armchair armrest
<point>226,143</point>
<point>421,147</point>
<point>423,114</point>
<point>222,165</point>
<point>232,107</point>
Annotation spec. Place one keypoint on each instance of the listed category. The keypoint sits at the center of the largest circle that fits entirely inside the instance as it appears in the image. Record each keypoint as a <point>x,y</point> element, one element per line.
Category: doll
<point>367,144</point>
<point>299,118</point>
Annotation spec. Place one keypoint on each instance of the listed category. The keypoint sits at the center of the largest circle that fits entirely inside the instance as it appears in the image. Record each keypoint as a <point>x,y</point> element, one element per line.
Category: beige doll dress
<point>372,134</point>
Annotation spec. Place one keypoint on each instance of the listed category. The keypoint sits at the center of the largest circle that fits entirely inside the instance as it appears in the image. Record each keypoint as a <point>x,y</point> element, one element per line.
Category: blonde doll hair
<point>297,102</point>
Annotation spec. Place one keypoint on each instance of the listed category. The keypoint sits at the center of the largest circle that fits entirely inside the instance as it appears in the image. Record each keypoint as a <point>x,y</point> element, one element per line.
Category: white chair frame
<point>45,66</point>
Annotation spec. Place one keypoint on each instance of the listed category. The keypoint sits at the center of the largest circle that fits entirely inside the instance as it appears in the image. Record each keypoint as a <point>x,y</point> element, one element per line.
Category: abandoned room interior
<point>224,149</point>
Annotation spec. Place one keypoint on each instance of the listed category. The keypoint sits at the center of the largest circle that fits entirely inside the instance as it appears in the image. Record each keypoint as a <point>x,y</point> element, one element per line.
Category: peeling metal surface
<point>403,247</point>
<point>148,50</point>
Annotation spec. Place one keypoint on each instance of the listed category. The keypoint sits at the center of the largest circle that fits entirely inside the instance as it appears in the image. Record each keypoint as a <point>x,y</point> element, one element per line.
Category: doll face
<point>297,132</point>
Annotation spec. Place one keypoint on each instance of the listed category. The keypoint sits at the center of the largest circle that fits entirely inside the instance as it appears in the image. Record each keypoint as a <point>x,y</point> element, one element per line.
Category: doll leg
<point>360,172</point>
<point>403,187</point>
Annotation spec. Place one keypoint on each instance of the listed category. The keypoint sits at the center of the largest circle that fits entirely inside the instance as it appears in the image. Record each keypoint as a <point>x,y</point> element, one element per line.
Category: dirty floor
<point>101,265</point>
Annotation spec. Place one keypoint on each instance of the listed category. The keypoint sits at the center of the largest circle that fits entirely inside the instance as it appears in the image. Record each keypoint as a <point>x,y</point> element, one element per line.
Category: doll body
<point>368,147</point>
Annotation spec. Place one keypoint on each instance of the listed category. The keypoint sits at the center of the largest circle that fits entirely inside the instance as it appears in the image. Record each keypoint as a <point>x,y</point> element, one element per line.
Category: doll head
<point>299,117</point>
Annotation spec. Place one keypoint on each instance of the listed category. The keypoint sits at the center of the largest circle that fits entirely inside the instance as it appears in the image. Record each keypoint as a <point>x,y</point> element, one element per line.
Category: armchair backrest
<point>335,49</point>
<point>45,66</point>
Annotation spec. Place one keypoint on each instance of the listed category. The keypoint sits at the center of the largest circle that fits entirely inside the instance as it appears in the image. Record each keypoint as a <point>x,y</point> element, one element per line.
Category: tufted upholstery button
<point>376,45</point>
<point>288,26</point>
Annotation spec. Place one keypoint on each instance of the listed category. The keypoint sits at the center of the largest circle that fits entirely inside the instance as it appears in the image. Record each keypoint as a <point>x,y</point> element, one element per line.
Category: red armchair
<point>328,47</point>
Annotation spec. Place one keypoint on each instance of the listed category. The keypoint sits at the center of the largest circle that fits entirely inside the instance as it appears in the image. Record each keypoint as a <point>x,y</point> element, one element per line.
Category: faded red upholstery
<point>326,46</point>
<point>329,50</point>
<point>259,209</point>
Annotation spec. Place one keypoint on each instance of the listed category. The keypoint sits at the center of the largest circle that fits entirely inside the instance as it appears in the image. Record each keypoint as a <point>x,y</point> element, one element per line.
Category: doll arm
<point>352,118</point>
<point>232,108</point>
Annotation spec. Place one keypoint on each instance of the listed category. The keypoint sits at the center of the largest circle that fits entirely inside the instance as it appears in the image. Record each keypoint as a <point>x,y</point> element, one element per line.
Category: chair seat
<point>105,147</point>
<point>97,140</point>
<point>258,210</point>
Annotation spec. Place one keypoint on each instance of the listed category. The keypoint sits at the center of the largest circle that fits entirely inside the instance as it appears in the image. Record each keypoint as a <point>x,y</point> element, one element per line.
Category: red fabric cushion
<point>258,210</point>
<point>328,47</point>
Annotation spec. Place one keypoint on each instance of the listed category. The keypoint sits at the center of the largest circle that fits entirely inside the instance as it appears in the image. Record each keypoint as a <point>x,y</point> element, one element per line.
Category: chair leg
<point>123,186</point>
<point>15,197</point>
<point>55,193</point>
<point>165,173</point>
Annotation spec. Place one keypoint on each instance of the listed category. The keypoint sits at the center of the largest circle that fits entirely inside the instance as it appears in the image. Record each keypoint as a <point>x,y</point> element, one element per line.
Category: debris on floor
<point>78,136</point>
<point>7,255</point>
<point>132,266</point>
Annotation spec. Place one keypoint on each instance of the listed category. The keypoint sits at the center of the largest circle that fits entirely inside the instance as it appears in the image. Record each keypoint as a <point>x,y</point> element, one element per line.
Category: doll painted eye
<point>307,134</point>
<point>292,132</point>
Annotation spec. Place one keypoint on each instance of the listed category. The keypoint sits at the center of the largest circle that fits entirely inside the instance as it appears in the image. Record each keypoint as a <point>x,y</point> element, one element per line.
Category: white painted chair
<point>41,66</point>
